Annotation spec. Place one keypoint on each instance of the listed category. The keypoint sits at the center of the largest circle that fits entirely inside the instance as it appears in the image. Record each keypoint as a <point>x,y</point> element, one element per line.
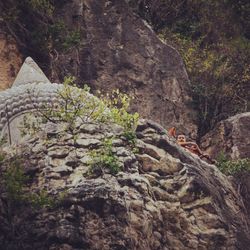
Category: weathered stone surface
<point>231,136</point>
<point>29,73</point>
<point>10,60</point>
<point>87,142</point>
<point>121,51</point>
<point>191,206</point>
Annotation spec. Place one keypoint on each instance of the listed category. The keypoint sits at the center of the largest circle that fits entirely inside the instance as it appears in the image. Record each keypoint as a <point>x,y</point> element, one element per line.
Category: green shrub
<point>40,199</point>
<point>232,167</point>
<point>14,179</point>
<point>2,157</point>
<point>2,153</point>
<point>62,38</point>
<point>15,184</point>
<point>30,125</point>
<point>104,158</point>
<point>131,138</point>
<point>79,105</point>
<point>118,104</point>
<point>42,6</point>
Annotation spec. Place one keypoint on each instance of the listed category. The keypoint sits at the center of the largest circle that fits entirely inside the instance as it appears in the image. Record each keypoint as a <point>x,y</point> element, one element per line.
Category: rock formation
<point>231,136</point>
<point>121,51</point>
<point>163,198</point>
<point>10,60</point>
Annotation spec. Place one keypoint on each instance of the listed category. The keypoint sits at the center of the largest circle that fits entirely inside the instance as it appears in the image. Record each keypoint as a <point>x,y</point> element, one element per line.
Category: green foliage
<point>75,105</point>
<point>62,38</point>
<point>35,21</point>
<point>3,140</point>
<point>14,9</point>
<point>15,183</point>
<point>42,6</point>
<point>232,167</point>
<point>104,158</point>
<point>30,125</point>
<point>41,199</point>
<point>130,135</point>
<point>79,105</point>
<point>118,104</point>
<point>14,179</point>
<point>219,83</point>
<point>73,39</point>
<point>2,157</point>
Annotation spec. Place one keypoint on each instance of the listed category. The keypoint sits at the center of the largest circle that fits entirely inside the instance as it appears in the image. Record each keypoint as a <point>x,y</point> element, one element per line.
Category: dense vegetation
<point>233,167</point>
<point>213,38</point>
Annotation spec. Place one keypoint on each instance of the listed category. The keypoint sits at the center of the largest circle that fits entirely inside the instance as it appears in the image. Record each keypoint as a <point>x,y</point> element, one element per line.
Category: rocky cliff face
<point>163,198</point>
<point>121,51</point>
<point>10,60</point>
<point>230,136</point>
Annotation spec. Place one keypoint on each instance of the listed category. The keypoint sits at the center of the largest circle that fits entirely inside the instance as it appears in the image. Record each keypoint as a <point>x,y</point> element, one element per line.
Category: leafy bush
<point>44,6</point>
<point>3,140</point>
<point>62,38</point>
<point>15,183</point>
<point>104,158</point>
<point>30,125</point>
<point>14,179</point>
<point>79,105</point>
<point>41,199</point>
<point>118,105</point>
<point>232,167</point>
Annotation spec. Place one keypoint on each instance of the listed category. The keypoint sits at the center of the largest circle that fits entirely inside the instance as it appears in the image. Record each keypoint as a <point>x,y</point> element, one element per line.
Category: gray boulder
<point>231,136</point>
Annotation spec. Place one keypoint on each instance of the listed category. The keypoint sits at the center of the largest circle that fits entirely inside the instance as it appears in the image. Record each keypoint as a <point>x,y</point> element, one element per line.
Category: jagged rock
<point>231,136</point>
<point>193,206</point>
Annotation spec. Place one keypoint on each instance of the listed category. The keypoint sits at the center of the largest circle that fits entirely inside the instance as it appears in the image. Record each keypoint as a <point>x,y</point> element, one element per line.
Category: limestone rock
<point>231,136</point>
<point>121,51</point>
<point>163,199</point>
